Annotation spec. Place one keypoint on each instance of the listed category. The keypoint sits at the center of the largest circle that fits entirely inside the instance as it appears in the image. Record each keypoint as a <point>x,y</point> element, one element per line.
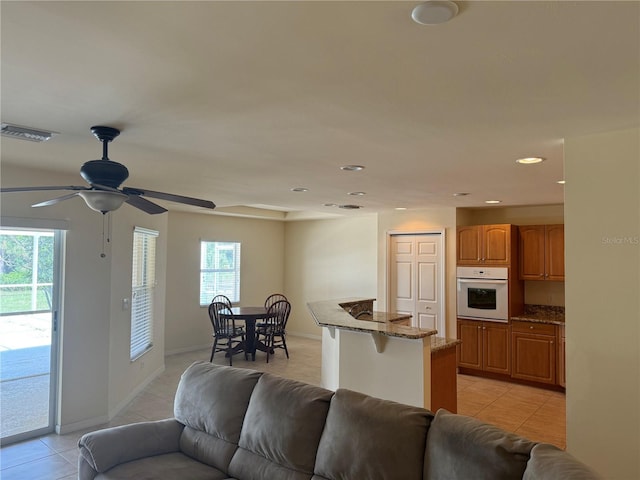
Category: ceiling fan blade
<point>53,201</point>
<point>169,196</point>
<point>35,189</point>
<point>144,204</point>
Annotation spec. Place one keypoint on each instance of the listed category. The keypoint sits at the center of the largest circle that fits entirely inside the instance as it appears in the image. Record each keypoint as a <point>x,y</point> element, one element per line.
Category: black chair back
<point>222,319</point>
<point>222,299</point>
<point>278,314</point>
<point>273,298</point>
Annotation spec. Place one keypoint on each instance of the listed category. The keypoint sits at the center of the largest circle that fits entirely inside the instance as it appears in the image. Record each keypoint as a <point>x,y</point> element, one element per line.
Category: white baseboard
<point>187,349</point>
<point>304,335</point>
<point>120,406</point>
<point>83,425</point>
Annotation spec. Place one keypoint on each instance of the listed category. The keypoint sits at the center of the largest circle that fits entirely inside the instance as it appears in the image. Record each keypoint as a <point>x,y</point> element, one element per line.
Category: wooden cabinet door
<point>534,357</point>
<point>532,252</point>
<point>496,244</point>
<point>554,250</point>
<point>496,347</point>
<point>470,350</point>
<point>469,243</point>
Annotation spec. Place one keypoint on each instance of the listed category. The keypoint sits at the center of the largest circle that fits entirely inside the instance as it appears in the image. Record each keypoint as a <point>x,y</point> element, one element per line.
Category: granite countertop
<point>541,314</point>
<point>383,317</point>
<point>330,313</point>
<point>442,343</point>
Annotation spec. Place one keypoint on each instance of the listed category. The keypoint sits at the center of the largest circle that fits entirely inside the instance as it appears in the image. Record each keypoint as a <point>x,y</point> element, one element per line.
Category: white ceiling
<point>239,102</point>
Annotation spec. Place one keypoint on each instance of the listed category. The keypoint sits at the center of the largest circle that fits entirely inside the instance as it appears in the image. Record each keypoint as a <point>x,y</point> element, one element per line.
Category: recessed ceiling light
<point>493,201</point>
<point>561,182</point>
<point>357,194</point>
<point>433,12</point>
<point>530,160</point>
<point>352,168</point>
<point>299,189</point>
<point>26,133</point>
<point>401,208</point>
<point>460,194</point>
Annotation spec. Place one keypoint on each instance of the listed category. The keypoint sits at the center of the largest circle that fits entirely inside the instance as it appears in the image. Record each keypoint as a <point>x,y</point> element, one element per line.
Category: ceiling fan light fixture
<point>25,133</point>
<point>434,12</point>
<point>103,201</point>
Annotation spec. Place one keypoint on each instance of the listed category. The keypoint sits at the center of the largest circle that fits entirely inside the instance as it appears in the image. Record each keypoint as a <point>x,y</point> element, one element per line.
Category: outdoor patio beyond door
<point>27,275</point>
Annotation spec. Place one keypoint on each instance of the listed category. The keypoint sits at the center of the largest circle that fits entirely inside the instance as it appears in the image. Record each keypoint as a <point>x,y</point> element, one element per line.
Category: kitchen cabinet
<point>533,351</point>
<point>542,252</point>
<point>485,244</point>
<point>485,346</point>
<point>562,377</point>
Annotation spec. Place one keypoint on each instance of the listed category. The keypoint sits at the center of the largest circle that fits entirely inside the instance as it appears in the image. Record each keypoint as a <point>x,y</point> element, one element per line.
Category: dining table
<point>250,315</point>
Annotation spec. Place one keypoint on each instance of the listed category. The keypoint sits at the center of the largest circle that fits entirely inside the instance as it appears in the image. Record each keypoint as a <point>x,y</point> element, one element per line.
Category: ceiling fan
<point>104,177</point>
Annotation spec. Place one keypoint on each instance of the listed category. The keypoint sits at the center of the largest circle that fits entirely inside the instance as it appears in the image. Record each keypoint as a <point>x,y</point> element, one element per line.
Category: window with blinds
<point>219,271</point>
<point>143,282</point>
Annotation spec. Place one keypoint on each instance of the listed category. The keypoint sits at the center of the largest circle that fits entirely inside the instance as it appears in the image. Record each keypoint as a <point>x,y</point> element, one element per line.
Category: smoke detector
<point>26,133</point>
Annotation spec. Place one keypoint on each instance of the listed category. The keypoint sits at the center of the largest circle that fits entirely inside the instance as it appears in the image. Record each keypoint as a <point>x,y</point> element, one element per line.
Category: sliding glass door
<point>29,269</point>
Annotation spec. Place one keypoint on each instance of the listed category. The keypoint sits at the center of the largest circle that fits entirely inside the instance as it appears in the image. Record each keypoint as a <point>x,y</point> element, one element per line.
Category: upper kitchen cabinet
<point>485,244</point>
<point>542,252</point>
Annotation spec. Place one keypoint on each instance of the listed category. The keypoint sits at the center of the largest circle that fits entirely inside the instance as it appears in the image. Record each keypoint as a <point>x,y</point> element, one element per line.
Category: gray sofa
<point>233,423</point>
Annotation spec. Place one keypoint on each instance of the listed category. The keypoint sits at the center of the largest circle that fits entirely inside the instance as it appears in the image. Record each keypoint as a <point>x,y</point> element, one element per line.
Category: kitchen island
<point>373,354</point>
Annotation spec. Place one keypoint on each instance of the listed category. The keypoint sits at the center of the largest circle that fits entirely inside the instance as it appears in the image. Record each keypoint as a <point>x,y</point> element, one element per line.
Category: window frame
<point>206,294</point>
<point>143,284</point>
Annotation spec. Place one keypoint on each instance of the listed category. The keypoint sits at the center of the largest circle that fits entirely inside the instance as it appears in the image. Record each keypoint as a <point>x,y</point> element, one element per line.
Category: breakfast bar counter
<point>366,354</point>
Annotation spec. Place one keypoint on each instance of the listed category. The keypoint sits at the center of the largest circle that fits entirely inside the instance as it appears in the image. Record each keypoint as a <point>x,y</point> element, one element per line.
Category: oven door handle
<point>465,280</point>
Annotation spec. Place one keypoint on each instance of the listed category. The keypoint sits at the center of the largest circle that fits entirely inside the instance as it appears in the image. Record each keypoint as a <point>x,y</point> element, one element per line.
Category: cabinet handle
<point>479,327</point>
<point>531,327</point>
<point>542,274</point>
<point>551,342</point>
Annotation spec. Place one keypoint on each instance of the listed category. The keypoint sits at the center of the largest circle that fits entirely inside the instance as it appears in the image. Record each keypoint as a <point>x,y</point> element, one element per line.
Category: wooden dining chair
<point>273,298</point>
<point>274,329</point>
<point>222,299</point>
<point>225,332</point>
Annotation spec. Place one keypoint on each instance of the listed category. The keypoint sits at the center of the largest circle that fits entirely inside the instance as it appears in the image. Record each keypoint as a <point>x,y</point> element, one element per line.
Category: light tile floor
<point>534,413</point>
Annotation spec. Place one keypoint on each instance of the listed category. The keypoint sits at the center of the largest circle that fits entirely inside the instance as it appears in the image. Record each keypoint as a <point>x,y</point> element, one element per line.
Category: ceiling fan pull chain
<point>102,254</point>
<point>106,236</point>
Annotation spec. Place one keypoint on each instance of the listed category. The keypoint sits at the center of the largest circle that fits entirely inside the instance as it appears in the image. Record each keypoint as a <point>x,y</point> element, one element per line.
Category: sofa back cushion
<point>281,430</point>
<point>369,438</point>
<point>211,401</point>
<point>460,448</point>
<point>550,463</point>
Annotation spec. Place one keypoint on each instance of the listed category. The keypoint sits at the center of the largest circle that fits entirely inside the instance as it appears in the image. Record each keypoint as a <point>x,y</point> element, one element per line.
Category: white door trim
<point>442,321</point>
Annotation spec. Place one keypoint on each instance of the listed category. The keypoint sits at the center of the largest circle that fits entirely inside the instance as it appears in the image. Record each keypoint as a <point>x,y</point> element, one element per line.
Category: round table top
<point>252,313</point>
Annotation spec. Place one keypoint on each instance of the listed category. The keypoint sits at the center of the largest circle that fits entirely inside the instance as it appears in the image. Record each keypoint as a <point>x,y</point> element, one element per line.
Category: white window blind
<point>143,283</point>
<point>219,271</point>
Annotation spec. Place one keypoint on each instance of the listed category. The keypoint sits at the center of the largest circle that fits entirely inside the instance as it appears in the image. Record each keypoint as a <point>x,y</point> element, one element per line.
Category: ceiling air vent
<point>350,207</point>
<point>25,133</point>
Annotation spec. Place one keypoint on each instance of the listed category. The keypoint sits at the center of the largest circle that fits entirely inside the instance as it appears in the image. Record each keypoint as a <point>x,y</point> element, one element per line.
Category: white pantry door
<point>417,278</point>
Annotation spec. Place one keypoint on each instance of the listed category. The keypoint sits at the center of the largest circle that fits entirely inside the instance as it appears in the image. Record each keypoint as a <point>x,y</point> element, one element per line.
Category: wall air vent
<point>26,133</point>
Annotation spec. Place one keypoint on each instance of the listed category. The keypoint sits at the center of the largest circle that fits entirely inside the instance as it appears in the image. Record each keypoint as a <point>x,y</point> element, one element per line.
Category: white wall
<point>262,270</point>
<point>602,234</point>
<point>327,259</point>
<point>420,220</point>
<point>95,373</point>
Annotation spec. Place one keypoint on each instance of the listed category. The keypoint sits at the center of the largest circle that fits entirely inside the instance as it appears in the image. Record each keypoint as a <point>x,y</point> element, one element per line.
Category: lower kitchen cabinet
<point>485,346</point>
<point>533,351</point>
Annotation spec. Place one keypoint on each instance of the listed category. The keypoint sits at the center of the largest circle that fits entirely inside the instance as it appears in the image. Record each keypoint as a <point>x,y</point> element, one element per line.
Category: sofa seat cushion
<point>171,466</point>
<point>370,438</point>
<point>283,426</point>
<point>460,448</point>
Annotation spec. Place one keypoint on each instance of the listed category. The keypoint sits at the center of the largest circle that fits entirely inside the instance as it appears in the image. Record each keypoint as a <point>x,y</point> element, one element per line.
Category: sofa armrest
<point>550,463</point>
<point>104,449</point>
